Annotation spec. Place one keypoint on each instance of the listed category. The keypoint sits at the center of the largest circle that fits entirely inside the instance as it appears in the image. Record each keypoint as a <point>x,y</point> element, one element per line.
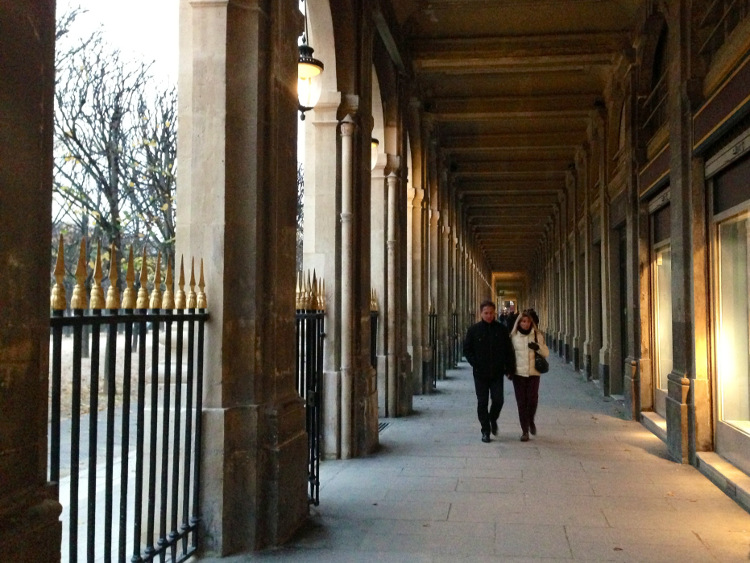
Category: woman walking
<point>527,340</point>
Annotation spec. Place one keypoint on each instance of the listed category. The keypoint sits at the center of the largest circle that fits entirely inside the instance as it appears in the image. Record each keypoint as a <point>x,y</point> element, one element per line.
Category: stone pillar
<point>444,289</point>
<point>322,251</point>
<point>347,297</point>
<point>680,402</point>
<point>379,277</point>
<point>400,401</point>
<point>30,529</point>
<point>415,238</point>
<point>237,199</point>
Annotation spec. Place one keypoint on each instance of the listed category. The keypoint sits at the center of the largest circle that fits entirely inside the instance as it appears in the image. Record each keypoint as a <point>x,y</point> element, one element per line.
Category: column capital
<point>347,126</point>
<point>393,164</point>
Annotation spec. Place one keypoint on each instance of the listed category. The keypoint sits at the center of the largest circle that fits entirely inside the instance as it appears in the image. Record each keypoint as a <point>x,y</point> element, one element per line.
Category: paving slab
<point>591,486</point>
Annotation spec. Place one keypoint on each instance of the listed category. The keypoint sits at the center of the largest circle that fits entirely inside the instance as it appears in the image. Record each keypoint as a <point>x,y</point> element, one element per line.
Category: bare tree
<point>152,184</point>
<point>115,144</point>
<point>94,95</point>
<point>300,213</point>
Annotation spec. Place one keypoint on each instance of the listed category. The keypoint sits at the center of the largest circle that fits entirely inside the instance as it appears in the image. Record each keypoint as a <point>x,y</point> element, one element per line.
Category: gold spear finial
<point>58,300</point>
<point>308,292</point>
<point>322,296</point>
<point>97,293</point>
<point>142,302</point>
<point>113,293</point>
<point>202,303</point>
<point>314,293</point>
<point>180,298</point>
<point>128,296</point>
<point>155,302</point>
<point>78,301</point>
<point>298,292</point>
<point>373,300</point>
<point>168,299</point>
<point>192,297</point>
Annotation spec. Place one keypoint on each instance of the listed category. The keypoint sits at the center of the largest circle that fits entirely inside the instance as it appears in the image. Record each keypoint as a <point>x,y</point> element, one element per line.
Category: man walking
<point>488,349</point>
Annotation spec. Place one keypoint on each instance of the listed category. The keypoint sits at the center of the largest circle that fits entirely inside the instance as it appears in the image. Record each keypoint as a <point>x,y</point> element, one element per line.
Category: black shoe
<point>532,429</point>
<point>485,437</point>
<point>524,437</point>
<point>493,426</point>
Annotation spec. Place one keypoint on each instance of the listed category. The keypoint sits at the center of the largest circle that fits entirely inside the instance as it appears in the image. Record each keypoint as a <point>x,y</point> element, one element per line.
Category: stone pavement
<point>590,486</point>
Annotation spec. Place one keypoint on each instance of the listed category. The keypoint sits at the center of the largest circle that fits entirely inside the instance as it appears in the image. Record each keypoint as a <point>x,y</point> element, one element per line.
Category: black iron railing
<point>124,438</point>
<point>152,482</point>
<point>374,339</point>
<point>431,365</point>
<point>456,352</point>
<point>310,338</point>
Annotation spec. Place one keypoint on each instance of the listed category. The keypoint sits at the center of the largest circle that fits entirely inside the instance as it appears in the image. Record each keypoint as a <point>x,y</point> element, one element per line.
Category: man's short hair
<point>487,303</point>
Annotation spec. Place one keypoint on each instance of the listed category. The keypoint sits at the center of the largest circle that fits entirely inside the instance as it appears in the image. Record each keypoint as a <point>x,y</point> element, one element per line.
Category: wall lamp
<point>374,144</point>
<point>309,70</point>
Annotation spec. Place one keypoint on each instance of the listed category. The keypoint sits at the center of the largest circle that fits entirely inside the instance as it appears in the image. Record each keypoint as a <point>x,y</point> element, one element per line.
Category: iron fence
<point>132,501</point>
<point>430,366</point>
<point>310,337</point>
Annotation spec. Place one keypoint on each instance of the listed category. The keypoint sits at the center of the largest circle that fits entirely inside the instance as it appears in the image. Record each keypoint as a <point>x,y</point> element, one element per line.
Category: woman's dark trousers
<point>527,398</point>
<point>489,389</point>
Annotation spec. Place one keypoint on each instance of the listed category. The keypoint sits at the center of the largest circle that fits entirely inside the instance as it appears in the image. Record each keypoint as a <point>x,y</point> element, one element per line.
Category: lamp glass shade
<point>307,69</point>
<point>308,91</point>
<point>309,85</point>
<point>374,144</point>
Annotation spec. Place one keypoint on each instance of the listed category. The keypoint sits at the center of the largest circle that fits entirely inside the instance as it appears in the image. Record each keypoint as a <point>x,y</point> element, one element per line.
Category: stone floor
<point>590,486</point>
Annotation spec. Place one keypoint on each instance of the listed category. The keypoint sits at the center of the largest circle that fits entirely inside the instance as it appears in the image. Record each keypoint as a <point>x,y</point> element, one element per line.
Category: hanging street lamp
<point>309,70</point>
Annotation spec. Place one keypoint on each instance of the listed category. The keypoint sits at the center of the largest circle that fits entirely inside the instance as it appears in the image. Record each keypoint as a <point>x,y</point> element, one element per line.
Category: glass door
<point>733,322</point>
<point>662,300</point>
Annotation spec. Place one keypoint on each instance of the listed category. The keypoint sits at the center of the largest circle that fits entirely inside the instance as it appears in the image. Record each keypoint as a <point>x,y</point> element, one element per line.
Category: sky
<point>143,29</point>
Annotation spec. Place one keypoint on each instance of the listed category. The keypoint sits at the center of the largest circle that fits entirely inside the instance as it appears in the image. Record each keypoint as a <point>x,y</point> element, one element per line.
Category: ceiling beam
<point>498,54</point>
<point>543,107</point>
<point>567,139</point>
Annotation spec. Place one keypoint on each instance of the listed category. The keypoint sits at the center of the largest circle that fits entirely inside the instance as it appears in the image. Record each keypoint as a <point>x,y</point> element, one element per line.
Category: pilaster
<point>238,206</point>
<point>30,528</point>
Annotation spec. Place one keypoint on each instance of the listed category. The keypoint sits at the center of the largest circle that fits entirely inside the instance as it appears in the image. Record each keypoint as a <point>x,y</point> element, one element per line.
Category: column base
<point>30,526</point>
<point>253,477</point>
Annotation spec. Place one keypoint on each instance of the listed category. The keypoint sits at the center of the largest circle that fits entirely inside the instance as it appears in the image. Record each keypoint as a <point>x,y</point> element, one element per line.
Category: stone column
<point>322,251</point>
<point>445,302</point>
<point>681,399</point>
<point>584,268</point>
<point>237,208</point>
<point>392,313</point>
<point>414,244</point>
<point>379,275</point>
<point>347,279</point>
<point>30,529</point>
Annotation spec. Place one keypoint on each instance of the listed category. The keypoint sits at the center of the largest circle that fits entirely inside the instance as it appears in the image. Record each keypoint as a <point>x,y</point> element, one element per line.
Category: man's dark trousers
<point>486,389</point>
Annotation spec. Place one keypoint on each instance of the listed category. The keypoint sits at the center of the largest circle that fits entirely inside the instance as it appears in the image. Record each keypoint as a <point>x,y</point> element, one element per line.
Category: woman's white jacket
<point>524,354</point>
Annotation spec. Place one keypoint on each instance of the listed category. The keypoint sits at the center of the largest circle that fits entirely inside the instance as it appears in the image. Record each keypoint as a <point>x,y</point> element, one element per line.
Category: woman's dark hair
<point>533,315</point>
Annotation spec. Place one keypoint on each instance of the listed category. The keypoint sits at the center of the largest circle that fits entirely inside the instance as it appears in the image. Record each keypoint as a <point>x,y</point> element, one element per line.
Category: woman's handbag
<point>540,362</point>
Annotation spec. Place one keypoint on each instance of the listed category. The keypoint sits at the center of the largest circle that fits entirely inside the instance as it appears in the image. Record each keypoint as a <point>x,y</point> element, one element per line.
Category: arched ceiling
<point>511,86</point>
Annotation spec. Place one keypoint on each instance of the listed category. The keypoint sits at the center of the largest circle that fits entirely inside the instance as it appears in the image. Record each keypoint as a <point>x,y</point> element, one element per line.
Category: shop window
<point>661,252</point>
<point>663,314</point>
<point>733,318</point>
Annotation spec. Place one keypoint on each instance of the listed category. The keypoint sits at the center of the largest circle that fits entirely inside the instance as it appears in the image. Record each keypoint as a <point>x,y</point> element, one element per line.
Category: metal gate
<point>310,335</point>
<point>128,467</point>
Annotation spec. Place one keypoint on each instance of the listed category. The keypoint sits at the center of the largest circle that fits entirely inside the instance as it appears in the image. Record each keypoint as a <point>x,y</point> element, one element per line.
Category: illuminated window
<point>733,349</point>
<point>663,314</point>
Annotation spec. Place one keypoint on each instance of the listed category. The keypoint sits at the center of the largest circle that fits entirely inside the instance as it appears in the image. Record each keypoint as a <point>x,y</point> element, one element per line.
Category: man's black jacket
<point>488,349</point>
